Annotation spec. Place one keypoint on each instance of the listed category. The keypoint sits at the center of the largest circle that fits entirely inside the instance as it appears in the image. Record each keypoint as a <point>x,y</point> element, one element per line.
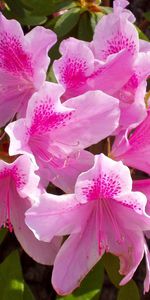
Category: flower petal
<point>76,258</point>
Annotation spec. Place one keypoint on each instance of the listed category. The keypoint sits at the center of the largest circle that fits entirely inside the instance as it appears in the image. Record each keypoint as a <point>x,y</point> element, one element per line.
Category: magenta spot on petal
<point>73,71</point>
<point>8,225</point>
<point>133,82</point>
<point>118,43</point>
<point>102,187</point>
<point>10,175</point>
<point>15,174</point>
<point>46,118</point>
<point>12,56</point>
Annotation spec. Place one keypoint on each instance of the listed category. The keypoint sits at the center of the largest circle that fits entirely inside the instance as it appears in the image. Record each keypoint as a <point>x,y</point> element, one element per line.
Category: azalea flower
<point>143,185</point>
<point>103,215</point>
<point>23,64</point>
<point>55,134</point>
<point>114,62</point>
<point>18,192</point>
<point>133,146</point>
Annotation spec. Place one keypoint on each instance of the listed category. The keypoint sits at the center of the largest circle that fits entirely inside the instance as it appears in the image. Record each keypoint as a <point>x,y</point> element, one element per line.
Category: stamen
<point>119,236</point>
<point>8,224</point>
<point>102,237</point>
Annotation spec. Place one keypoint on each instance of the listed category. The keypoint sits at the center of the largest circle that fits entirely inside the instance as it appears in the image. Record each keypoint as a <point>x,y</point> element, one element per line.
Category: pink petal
<point>17,181</point>
<point>111,71</point>
<point>115,178</point>
<point>147,278</point>
<point>42,252</point>
<point>76,258</point>
<point>38,42</point>
<point>21,73</point>
<point>94,108</point>
<point>53,131</point>
<point>134,151</point>
<point>114,33</point>
<point>55,215</point>
<point>60,176</point>
<point>75,65</point>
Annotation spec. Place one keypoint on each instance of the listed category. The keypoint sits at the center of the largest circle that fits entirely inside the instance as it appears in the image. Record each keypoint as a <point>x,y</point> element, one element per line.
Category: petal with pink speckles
<point>18,192</point>
<point>73,68</point>
<point>23,65</point>
<point>53,132</point>
<point>110,218</point>
<point>114,33</point>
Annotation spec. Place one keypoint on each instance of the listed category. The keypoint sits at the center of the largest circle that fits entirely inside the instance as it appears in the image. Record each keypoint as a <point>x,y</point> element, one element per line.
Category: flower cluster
<point>48,129</point>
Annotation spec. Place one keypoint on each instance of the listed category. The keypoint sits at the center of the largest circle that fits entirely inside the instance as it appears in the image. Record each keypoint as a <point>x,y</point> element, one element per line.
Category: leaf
<point>67,22</point>
<point>142,35</point>
<point>111,264</point>
<point>47,7</point>
<point>85,31</point>
<point>88,296</point>
<point>93,281</point>
<point>106,10</point>
<point>95,18</point>
<point>3,232</point>
<point>20,13</point>
<point>27,295</point>
<point>147,16</point>
<point>11,280</point>
<point>91,286</point>
<point>129,291</point>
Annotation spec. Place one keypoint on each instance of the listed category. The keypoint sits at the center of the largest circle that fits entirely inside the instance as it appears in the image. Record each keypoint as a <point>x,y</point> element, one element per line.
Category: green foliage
<point>90,287</point>
<point>11,280</point>
<point>85,31</point>
<point>47,7</point>
<point>27,295</point>
<point>147,16</point>
<point>67,22</point>
<point>16,10</point>
<point>95,17</point>
<point>111,264</point>
<point>142,35</point>
<point>129,291</point>
<point>3,232</point>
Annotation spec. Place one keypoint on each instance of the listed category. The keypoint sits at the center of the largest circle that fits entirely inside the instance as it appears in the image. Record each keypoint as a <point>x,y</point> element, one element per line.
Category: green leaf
<point>111,264</point>
<point>129,291</point>
<point>88,296</point>
<point>106,10</point>
<point>85,31</point>
<point>67,22</point>
<point>142,35</point>
<point>91,286</point>
<point>3,232</point>
<point>93,281</point>
<point>11,280</point>
<point>47,7</point>
<point>20,13</point>
<point>95,17</point>
<point>27,295</point>
<point>147,16</point>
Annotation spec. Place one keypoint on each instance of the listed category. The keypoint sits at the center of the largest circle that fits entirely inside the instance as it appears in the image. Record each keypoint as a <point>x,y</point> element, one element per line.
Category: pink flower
<point>79,71</point>
<point>133,146</point>
<point>18,192</point>
<point>144,187</point>
<point>56,133</point>
<point>112,62</point>
<point>102,215</point>
<point>23,64</point>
